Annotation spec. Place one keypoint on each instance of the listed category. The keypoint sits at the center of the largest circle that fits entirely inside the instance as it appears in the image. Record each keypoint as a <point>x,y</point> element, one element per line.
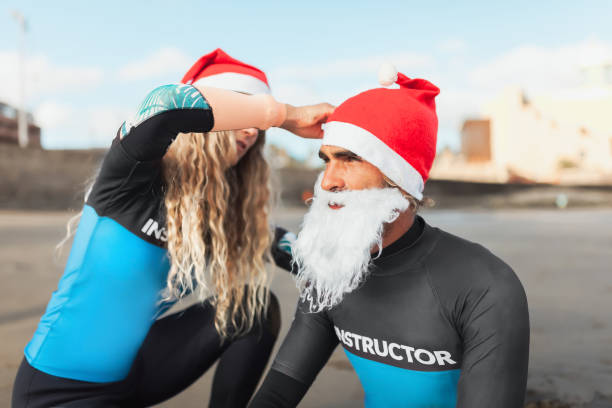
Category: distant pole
<point>22,121</point>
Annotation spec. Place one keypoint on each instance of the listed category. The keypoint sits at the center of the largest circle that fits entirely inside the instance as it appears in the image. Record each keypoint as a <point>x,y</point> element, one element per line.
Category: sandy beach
<point>563,259</point>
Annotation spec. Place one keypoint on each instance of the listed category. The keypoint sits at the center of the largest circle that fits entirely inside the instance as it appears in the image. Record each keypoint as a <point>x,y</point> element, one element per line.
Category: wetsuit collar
<point>406,240</point>
<point>407,251</point>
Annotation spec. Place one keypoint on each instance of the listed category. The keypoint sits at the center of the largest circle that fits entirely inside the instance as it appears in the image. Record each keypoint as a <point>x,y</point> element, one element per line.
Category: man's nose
<point>332,179</point>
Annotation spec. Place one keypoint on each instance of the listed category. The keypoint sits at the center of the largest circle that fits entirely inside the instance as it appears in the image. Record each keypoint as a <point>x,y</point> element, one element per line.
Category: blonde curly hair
<point>217,224</point>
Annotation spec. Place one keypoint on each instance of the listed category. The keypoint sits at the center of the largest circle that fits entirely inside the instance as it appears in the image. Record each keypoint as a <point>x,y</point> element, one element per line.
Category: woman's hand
<point>306,121</point>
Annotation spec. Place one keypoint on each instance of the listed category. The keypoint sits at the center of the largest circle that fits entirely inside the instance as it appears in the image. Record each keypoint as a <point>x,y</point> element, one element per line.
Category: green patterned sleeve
<point>165,112</point>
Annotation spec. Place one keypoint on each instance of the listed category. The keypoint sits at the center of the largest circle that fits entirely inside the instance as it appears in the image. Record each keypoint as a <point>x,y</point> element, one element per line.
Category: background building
<point>562,137</point>
<point>9,130</point>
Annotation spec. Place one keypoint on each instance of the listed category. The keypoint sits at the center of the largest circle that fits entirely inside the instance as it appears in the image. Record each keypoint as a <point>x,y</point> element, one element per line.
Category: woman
<point>166,216</point>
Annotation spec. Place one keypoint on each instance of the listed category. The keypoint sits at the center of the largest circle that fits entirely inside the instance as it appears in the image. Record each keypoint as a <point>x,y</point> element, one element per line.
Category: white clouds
<point>344,67</point>
<point>537,68</point>
<point>80,126</point>
<point>294,93</point>
<point>338,79</point>
<point>103,123</point>
<point>43,76</point>
<point>466,84</point>
<point>48,77</point>
<point>64,122</point>
<point>46,85</point>
<point>452,45</point>
<point>455,105</point>
<point>163,61</point>
<point>52,114</point>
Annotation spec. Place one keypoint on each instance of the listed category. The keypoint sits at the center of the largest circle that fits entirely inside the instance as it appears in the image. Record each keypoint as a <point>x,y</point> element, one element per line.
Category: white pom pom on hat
<point>387,74</point>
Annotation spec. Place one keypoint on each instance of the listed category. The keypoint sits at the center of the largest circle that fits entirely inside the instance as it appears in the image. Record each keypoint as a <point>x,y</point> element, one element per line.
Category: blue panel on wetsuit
<point>389,386</point>
<point>104,306</point>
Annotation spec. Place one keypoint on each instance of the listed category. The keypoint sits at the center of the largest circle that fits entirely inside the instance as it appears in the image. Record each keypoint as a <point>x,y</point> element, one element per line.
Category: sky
<point>89,64</point>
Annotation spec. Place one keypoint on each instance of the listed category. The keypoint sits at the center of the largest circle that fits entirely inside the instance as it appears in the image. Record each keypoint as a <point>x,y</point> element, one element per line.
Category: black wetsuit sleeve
<point>306,349</point>
<point>132,165</point>
<point>492,318</point>
<point>496,349</point>
<point>281,249</point>
<point>279,391</point>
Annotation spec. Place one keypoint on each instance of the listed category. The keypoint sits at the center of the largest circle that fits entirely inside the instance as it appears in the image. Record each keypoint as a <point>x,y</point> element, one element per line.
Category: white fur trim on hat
<point>372,149</point>
<point>235,82</point>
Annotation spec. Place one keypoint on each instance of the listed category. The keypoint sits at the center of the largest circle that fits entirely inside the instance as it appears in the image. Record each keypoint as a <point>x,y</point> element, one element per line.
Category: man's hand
<point>306,121</point>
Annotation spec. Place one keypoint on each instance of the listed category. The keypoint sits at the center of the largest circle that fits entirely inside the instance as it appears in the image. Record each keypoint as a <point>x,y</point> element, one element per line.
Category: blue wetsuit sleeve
<point>165,112</point>
<point>491,316</point>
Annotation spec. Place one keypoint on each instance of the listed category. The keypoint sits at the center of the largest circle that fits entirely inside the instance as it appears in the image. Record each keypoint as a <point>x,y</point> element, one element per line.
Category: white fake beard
<point>333,249</point>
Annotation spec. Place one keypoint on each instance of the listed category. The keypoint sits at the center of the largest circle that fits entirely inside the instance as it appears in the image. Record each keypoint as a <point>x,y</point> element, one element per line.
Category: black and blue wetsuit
<point>440,323</point>
<point>98,341</point>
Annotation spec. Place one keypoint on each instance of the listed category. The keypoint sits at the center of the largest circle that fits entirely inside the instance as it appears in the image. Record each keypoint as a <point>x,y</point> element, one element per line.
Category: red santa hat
<point>219,70</point>
<point>394,129</point>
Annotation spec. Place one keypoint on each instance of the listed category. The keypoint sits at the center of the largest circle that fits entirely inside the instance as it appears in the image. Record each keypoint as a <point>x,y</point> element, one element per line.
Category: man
<point>427,319</point>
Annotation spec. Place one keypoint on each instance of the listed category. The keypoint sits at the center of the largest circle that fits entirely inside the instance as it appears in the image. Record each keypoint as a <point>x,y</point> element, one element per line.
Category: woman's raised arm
<point>233,110</point>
